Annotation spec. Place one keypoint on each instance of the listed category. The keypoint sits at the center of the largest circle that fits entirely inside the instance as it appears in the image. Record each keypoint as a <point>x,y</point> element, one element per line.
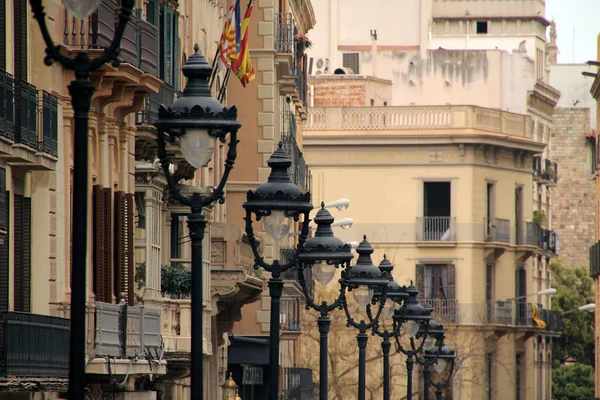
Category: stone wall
<point>573,211</point>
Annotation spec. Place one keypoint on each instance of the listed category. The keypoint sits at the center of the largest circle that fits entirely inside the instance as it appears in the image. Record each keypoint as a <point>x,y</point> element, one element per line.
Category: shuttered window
<point>22,253</point>
<point>4,206</point>
<point>102,244</point>
<point>124,246</point>
<point>436,281</point>
<point>169,62</point>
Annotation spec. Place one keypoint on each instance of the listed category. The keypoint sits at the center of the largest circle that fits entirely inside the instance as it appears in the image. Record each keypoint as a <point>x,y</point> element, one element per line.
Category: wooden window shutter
<point>130,248</point>
<point>124,245</point>
<point>4,290</point>
<point>419,279</point>
<point>102,274</point>
<point>451,281</point>
<point>20,12</point>
<point>22,253</point>
<point>3,201</point>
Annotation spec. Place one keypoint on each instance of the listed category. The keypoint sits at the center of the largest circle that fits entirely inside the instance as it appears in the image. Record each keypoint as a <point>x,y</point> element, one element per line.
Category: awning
<point>248,350</point>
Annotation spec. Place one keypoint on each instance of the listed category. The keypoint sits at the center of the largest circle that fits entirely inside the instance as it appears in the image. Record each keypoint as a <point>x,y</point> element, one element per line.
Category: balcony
<point>436,229</point>
<point>406,118</point>
<point>284,43</point>
<point>118,332</point>
<point>500,312</point>
<point>445,310</point>
<point>524,314</point>
<point>298,384</point>
<point>31,140</point>
<point>33,345</point>
<point>145,136</point>
<point>496,230</point>
<point>299,171</point>
<point>139,46</point>
<point>545,171</point>
<point>290,316</point>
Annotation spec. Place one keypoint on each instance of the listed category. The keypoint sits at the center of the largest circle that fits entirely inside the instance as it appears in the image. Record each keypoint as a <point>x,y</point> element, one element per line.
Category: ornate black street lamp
<point>196,120</point>
<point>362,280</point>
<point>412,316</point>
<point>395,295</point>
<point>277,203</point>
<point>81,91</point>
<point>435,337</point>
<point>440,357</point>
<point>323,253</point>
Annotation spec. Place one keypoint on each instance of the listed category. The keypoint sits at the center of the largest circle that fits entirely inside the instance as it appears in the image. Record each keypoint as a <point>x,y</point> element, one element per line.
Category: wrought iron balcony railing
<point>26,111</point>
<point>7,111</point>
<point>284,39</point>
<point>298,384</point>
<point>48,139</point>
<point>165,95</point>
<point>497,230</point>
<point>33,345</point>
<point>436,229</point>
<point>500,312</point>
<point>299,171</point>
<point>545,170</point>
<point>139,46</point>
<point>446,310</point>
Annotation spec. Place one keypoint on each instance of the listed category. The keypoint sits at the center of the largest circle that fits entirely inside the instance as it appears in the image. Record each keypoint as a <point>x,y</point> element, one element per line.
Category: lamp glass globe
<point>197,146</point>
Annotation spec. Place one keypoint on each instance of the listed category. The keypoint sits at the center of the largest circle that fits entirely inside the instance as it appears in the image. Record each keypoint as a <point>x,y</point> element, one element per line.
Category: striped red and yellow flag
<point>227,45</point>
<point>242,66</point>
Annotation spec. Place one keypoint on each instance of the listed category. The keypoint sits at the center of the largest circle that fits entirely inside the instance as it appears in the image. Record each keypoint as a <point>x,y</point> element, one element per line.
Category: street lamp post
<point>362,279</point>
<point>323,253</point>
<point>81,91</point>
<point>277,202</point>
<point>440,357</point>
<point>395,297</point>
<point>413,317</point>
<point>197,120</point>
<point>433,346</point>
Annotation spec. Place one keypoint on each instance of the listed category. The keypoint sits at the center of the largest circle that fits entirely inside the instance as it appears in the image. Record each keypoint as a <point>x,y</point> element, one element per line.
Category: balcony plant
<point>302,42</point>
<point>176,281</point>
<point>539,217</point>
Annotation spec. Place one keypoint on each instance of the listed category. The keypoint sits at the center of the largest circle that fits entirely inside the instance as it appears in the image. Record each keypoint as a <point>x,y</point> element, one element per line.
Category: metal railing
<point>284,31</point>
<point>298,384</point>
<point>26,111</point>
<point>299,171</point>
<point>290,316</point>
<point>139,46</point>
<point>533,234</point>
<point>7,111</point>
<point>443,309</point>
<point>523,314</point>
<point>496,230</point>
<point>48,140</point>
<point>33,345</point>
<point>149,114</point>
<point>500,312</point>
<point>300,71</point>
<point>436,229</point>
<point>544,169</point>
<point>122,331</point>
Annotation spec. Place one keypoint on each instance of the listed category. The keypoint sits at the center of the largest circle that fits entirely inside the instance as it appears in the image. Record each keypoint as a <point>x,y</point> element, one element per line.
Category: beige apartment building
<point>444,192</point>
<point>136,234</point>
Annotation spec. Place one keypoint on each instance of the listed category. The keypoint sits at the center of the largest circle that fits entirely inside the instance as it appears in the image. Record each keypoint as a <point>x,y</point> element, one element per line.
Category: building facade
<point>443,192</point>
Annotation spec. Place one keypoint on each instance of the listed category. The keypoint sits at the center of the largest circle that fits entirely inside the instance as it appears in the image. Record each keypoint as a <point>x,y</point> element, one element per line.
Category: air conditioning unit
<point>318,66</point>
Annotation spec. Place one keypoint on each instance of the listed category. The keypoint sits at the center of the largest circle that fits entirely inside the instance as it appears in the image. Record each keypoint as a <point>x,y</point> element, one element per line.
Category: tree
<point>573,382</point>
<point>574,288</point>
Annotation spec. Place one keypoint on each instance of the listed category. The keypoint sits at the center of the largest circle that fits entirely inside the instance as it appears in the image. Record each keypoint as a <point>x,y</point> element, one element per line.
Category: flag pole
<point>214,69</point>
<point>221,95</point>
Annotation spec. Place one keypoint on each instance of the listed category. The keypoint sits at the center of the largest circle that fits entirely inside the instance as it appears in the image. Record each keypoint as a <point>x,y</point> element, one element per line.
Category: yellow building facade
<point>444,192</point>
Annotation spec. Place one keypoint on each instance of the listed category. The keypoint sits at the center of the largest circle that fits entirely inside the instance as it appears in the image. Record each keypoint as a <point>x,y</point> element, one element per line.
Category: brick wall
<point>573,199</point>
<point>350,91</point>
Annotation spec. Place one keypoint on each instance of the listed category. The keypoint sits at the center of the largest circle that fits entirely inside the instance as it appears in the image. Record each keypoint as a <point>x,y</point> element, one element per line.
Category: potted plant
<point>302,42</point>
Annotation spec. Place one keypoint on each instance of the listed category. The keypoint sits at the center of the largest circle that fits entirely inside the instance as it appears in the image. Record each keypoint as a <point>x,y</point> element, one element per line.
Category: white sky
<point>580,17</point>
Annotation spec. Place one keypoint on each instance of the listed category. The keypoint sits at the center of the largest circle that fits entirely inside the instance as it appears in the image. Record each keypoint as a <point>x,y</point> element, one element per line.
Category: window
<point>521,291</point>
<point>437,288</point>
<point>22,253</point>
<point>482,27</point>
<point>176,229</point>
<point>489,375</point>
<point>519,375</point>
<point>169,62</point>
<point>352,61</point>
<point>490,207</point>
<point>102,249</point>
<point>591,142</point>
<point>437,211</point>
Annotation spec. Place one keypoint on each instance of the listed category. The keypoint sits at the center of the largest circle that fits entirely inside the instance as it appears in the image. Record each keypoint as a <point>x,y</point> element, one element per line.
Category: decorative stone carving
<point>217,252</point>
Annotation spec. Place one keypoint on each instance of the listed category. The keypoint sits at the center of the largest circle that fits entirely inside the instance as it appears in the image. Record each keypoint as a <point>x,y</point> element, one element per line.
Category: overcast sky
<point>580,17</point>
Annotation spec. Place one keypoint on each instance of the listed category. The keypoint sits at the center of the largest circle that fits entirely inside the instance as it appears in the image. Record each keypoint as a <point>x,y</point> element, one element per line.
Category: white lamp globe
<point>429,343</point>
<point>323,272</point>
<point>277,225</point>
<point>363,295</point>
<point>440,366</point>
<point>411,328</point>
<point>197,146</point>
<point>81,9</point>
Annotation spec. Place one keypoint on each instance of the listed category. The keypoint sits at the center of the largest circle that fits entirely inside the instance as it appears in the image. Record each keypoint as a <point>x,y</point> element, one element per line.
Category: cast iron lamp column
<point>362,279</point>
<point>433,346</point>
<point>196,120</point>
<point>439,357</point>
<point>323,253</point>
<point>415,316</point>
<point>395,296</point>
<point>277,202</point>
<point>81,91</point>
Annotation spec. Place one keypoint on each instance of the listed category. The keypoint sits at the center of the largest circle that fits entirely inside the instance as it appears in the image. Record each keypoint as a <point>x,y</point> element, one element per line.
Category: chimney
<point>374,52</point>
